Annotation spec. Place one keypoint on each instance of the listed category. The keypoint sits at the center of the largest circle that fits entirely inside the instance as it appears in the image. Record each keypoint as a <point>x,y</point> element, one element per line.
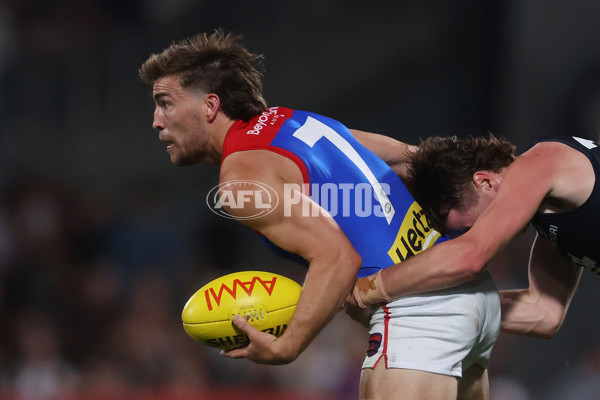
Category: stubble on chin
<point>180,160</point>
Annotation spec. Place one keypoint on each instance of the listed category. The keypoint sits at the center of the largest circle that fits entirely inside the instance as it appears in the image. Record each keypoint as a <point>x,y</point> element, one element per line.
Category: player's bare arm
<point>540,310</point>
<point>525,185</point>
<point>395,153</point>
<point>333,261</point>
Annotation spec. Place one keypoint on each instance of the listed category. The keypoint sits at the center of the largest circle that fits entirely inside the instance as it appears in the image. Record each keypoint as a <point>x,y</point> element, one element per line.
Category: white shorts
<point>444,332</point>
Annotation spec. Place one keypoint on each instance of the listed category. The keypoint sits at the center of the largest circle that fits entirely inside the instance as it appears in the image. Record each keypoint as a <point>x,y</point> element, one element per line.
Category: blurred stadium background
<point>102,240</point>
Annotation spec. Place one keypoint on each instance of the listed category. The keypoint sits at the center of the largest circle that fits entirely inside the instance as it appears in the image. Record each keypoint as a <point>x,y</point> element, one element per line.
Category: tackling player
<point>472,188</point>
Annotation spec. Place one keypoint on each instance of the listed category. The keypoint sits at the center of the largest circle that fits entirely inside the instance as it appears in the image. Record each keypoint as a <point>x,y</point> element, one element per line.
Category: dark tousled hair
<point>440,172</point>
<point>216,63</point>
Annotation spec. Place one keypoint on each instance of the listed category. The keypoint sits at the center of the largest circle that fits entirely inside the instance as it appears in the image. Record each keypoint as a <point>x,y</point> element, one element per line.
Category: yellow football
<point>265,299</point>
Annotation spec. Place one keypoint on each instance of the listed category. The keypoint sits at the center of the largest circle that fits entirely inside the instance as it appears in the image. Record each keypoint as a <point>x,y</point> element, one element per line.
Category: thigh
<point>433,336</point>
<point>380,383</point>
<point>474,384</point>
<point>440,332</point>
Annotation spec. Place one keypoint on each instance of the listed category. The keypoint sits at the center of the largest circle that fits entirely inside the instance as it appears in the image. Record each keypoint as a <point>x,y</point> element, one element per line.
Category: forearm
<point>541,309</point>
<point>324,291</point>
<point>524,313</point>
<point>440,267</point>
<point>393,152</point>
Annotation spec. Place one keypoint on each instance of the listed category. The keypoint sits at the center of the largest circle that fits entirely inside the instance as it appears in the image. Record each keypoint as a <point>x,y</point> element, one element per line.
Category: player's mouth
<point>169,143</point>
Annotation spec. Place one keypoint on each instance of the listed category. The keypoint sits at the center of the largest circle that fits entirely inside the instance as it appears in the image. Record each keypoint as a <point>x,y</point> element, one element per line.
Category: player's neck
<point>221,126</point>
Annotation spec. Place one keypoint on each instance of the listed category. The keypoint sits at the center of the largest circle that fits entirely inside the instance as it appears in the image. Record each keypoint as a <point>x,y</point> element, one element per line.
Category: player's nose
<point>157,122</point>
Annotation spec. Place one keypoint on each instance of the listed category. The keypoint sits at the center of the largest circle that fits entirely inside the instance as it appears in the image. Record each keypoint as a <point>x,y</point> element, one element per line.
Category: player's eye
<point>162,103</point>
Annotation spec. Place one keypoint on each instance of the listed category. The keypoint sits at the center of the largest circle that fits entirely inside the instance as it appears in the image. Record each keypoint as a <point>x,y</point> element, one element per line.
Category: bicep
<point>299,225</point>
<point>552,275</point>
<point>295,222</point>
<point>522,190</point>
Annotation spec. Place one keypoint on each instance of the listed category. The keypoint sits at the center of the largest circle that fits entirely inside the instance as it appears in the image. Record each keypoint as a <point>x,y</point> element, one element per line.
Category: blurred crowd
<point>91,299</point>
<point>102,241</point>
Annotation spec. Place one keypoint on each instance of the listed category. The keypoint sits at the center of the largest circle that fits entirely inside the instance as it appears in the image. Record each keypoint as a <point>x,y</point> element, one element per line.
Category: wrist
<point>370,290</point>
<point>285,350</point>
<point>291,343</point>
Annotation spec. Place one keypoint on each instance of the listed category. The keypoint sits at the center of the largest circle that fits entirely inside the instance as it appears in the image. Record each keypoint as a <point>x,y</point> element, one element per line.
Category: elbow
<point>349,258</point>
<point>345,275</point>
<point>550,325</point>
<point>553,316</point>
<point>546,334</point>
<point>346,262</point>
<point>354,261</point>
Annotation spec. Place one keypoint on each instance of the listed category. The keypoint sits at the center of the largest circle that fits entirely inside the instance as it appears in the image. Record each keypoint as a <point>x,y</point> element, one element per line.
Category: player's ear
<point>487,180</point>
<point>213,103</point>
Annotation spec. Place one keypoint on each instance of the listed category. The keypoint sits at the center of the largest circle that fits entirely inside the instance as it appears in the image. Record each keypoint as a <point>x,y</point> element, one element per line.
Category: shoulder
<point>552,148</point>
<point>562,173</point>
<point>260,164</point>
<point>547,147</point>
<point>252,177</point>
<point>551,158</point>
<point>542,158</point>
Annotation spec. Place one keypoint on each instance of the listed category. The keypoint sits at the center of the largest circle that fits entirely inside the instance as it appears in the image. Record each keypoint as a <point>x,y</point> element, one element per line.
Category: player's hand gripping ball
<point>266,300</point>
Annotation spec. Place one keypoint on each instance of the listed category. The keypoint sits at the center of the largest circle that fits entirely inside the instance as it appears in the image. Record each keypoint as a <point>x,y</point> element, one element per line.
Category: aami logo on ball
<point>247,287</point>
